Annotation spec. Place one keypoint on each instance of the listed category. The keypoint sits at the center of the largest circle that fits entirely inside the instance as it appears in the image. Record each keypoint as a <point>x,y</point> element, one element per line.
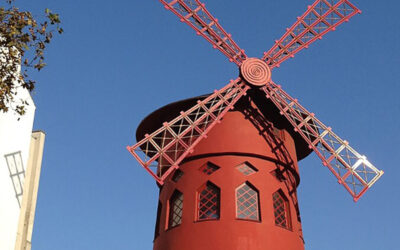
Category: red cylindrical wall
<point>242,137</point>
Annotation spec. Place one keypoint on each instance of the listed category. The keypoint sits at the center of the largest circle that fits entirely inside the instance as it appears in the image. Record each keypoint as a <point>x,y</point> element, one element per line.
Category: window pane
<point>177,175</point>
<point>246,168</point>
<point>247,203</point>
<point>209,168</point>
<point>281,210</point>
<point>176,209</point>
<point>208,202</point>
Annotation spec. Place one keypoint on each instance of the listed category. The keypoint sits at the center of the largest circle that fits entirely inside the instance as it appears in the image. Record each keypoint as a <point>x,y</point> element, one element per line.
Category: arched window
<point>208,200</point>
<point>175,209</point>
<point>281,210</point>
<point>247,205</point>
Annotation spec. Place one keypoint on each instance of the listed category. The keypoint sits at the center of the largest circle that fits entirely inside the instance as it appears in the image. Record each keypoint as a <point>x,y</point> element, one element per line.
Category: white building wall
<point>15,137</point>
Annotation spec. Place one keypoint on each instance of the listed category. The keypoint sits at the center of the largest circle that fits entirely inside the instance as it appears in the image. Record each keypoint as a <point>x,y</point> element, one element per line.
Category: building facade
<point>20,162</point>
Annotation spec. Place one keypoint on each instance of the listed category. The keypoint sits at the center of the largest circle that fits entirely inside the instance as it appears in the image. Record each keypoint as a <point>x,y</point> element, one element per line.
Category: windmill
<point>255,132</point>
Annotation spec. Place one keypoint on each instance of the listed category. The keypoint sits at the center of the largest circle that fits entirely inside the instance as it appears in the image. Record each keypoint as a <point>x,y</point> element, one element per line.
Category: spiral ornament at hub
<point>255,71</point>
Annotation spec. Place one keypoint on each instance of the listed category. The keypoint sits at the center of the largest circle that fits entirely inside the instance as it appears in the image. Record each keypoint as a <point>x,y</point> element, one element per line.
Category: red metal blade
<point>351,169</point>
<point>194,13</point>
<point>162,151</point>
<point>320,18</point>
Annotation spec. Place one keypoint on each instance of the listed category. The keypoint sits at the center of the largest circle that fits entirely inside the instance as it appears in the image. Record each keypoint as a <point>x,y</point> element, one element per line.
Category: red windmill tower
<point>237,188</point>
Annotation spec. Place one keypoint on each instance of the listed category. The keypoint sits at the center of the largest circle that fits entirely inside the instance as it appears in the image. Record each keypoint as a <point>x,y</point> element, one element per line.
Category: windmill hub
<point>255,71</point>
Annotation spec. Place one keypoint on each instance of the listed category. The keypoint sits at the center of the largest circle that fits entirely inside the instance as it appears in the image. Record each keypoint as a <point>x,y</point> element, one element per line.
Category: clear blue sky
<point>120,60</point>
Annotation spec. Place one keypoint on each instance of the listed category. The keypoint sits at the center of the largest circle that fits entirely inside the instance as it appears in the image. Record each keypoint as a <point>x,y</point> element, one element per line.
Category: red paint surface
<point>235,140</point>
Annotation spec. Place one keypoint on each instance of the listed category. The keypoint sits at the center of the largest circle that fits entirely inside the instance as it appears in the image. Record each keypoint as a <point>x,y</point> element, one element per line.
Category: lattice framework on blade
<point>194,13</point>
<point>320,18</point>
<point>352,169</point>
<point>162,151</point>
